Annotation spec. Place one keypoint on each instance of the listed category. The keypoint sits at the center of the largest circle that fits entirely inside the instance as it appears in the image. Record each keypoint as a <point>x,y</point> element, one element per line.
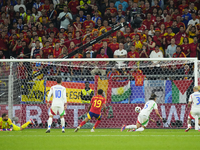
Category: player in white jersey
<point>59,104</point>
<point>194,100</point>
<point>143,117</point>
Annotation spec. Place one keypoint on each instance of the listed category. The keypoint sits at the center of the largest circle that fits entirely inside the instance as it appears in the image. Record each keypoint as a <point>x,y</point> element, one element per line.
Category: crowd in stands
<point>54,28</point>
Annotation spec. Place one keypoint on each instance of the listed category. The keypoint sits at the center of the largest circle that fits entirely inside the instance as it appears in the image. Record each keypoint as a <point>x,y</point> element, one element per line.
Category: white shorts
<point>143,120</point>
<point>57,109</point>
<point>193,113</point>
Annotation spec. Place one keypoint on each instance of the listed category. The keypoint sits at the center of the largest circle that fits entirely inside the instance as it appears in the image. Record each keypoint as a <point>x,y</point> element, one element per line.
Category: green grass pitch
<point>101,139</point>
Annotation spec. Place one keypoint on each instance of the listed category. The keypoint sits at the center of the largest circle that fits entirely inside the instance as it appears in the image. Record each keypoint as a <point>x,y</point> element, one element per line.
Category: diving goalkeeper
<point>7,125</point>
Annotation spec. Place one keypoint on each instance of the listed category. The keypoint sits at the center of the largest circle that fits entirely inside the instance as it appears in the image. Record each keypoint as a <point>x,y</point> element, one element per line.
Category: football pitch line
<point>105,135</point>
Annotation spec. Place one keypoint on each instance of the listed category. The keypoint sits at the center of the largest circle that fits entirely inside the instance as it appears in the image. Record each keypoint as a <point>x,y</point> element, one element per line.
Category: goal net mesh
<point>126,84</point>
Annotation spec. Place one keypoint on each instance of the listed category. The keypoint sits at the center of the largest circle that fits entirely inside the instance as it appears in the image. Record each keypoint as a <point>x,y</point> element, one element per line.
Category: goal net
<point>127,83</point>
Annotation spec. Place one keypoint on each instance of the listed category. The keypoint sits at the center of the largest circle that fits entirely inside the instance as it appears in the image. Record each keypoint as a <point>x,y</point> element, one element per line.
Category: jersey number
<point>146,106</point>
<point>198,99</point>
<point>97,103</point>
<point>58,93</point>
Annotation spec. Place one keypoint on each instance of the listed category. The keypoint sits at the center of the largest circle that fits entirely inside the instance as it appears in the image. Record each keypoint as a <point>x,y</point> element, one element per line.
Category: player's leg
<point>131,127</point>
<point>190,117</point>
<point>98,118</point>
<point>26,124</point>
<point>144,120</point>
<point>89,116</point>
<point>53,111</point>
<point>62,119</point>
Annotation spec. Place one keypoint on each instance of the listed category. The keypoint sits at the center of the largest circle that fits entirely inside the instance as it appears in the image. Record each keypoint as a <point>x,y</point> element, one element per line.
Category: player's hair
<point>59,79</point>
<point>100,91</point>
<point>87,82</point>
<point>3,115</point>
<point>153,96</point>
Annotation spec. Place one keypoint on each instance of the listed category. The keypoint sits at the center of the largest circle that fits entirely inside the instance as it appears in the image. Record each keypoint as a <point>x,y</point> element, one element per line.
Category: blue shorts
<point>91,114</point>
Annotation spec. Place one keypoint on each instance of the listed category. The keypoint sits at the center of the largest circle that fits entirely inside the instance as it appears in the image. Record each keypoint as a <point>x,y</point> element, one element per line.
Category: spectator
<point>57,50</point>
<point>138,43</point>
<point>108,50</point>
<point>167,37</point>
<point>91,52</point>
<point>180,35</point>
<point>193,47</point>
<point>2,55</point>
<point>29,5</point>
<point>96,17</point>
<point>82,16</point>
<point>128,44</point>
<point>157,53</point>
<point>178,53</point>
<point>194,20</point>
<point>35,50</point>
<point>36,13</point>
<point>112,73</point>
<point>150,44</point>
<point>52,13</point>
<point>120,53</point>
<point>114,45</point>
<point>143,52</point>
<point>45,6</point>
<point>171,49</point>
<point>186,16</point>
<point>175,29</point>
<point>65,17</point>
<point>119,16</point>
<point>186,47</point>
<point>133,53</point>
<point>37,4</point>
<point>60,7</point>
<point>16,7</point>
<point>192,31</point>
<point>72,6</point>
<point>158,39</point>
<point>47,50</point>
<point>151,31</point>
<point>23,52</point>
<point>147,22</point>
<point>123,3</point>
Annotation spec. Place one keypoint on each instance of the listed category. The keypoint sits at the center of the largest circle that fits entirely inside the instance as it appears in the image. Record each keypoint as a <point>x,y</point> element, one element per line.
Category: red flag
<point>139,80</point>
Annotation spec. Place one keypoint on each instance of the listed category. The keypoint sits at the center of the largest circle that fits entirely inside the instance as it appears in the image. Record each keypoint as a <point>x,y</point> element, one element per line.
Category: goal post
<point>127,83</point>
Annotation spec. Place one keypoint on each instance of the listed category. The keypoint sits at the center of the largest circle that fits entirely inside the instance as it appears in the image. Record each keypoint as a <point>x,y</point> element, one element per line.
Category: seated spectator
<point>47,50</point>
<point>72,6</point>
<point>82,16</point>
<point>52,13</point>
<point>45,6</point>
<point>186,16</point>
<point>175,29</point>
<point>114,45</point>
<point>150,44</point>
<point>143,52</point>
<point>180,36</point>
<point>171,49</point>
<point>32,43</point>
<point>133,53</point>
<point>119,16</point>
<point>60,7</point>
<point>24,51</point>
<point>120,53</point>
<point>36,13</point>
<point>151,31</point>
<point>95,17</point>
<point>178,53</point>
<point>88,21</point>
<point>138,43</point>
<point>108,50</point>
<point>194,20</point>
<point>167,37</point>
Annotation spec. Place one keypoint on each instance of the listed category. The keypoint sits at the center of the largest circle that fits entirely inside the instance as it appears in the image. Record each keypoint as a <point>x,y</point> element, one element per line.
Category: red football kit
<point>97,102</point>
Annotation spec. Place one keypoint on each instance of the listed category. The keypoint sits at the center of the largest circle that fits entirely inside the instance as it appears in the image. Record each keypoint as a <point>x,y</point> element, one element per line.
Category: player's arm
<point>152,119</point>
<point>65,98</point>
<point>49,96</point>
<point>104,109</point>
<point>157,113</point>
<point>89,108</point>
<point>190,101</point>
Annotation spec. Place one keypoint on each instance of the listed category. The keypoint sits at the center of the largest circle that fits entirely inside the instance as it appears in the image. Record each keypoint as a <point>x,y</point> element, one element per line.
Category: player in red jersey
<point>94,110</point>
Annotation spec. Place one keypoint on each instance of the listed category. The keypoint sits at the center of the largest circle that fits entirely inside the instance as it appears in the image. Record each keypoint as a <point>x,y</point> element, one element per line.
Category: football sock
<point>96,124</point>
<point>63,123</point>
<point>25,125</point>
<point>140,129</point>
<point>131,127</point>
<point>82,123</point>
<point>49,122</point>
<point>189,123</point>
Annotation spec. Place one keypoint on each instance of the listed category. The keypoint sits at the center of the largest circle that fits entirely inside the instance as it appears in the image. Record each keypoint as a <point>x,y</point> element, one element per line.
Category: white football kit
<point>195,110</point>
<point>59,99</point>
<point>143,117</point>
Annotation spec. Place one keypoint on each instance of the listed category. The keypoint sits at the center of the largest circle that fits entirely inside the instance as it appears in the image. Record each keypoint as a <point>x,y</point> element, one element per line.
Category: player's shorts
<point>55,109</point>
<point>143,120</point>
<point>91,114</point>
<point>16,128</point>
<point>193,113</point>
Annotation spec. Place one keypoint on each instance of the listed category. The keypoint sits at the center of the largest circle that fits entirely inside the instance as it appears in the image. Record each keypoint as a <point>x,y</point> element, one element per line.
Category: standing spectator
<point>121,52</point>
<point>72,6</point>
<point>65,17</point>
<point>194,20</point>
<point>36,13</point>
<point>57,50</point>
<point>180,35</point>
<point>114,45</point>
<point>108,50</point>
<point>119,16</point>
<point>16,7</point>
<point>193,47</point>
<point>47,50</point>
<point>37,4</point>
<point>175,29</point>
<point>186,47</point>
<point>147,22</point>
<point>123,3</point>
<point>23,52</point>
<point>192,31</point>
<point>150,44</point>
<point>133,53</point>
<point>20,25</point>
<point>178,53</point>
<point>128,44</point>
<point>60,7</point>
<point>186,17</point>
<point>45,6</point>
<point>96,17</point>
<point>157,53</point>
<point>82,16</point>
<point>52,13</point>
<point>167,37</point>
<point>35,50</point>
<point>171,49</point>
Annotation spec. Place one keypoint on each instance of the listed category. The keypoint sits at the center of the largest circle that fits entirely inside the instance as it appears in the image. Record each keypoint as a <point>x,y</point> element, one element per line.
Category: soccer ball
<point>137,109</point>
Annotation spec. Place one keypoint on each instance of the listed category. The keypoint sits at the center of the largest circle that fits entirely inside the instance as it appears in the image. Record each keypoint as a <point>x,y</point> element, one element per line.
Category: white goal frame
<point>10,83</point>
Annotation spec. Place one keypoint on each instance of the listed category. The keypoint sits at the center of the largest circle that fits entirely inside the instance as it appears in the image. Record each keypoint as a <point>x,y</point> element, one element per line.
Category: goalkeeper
<point>7,125</point>
<point>87,93</point>
<point>143,117</point>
